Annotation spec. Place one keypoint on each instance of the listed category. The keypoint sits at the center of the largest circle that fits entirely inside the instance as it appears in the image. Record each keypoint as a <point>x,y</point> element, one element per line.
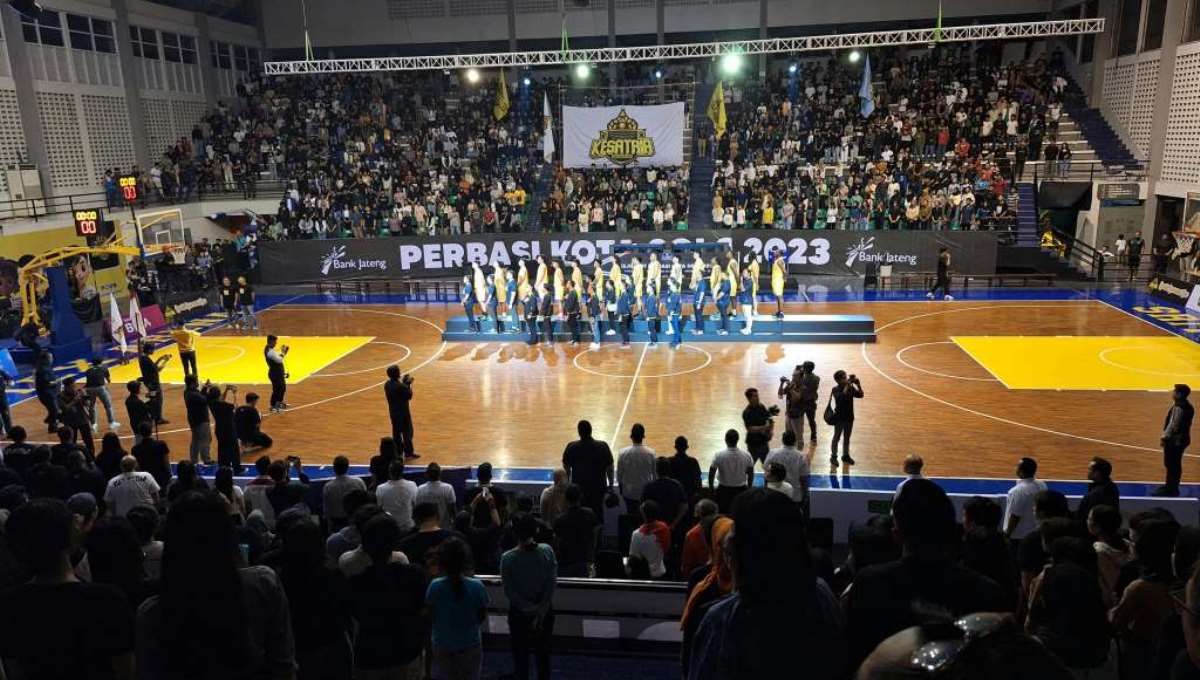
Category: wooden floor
<point>517,406</point>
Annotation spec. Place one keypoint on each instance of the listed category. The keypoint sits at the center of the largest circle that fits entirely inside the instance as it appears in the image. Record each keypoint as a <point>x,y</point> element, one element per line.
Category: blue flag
<point>865,92</point>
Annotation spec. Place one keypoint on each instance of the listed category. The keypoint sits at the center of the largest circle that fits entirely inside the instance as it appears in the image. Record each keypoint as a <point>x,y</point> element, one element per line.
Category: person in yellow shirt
<point>697,271</point>
<point>638,273</point>
<point>654,272</point>
<point>614,275</point>
<point>559,286</point>
<point>733,274</point>
<point>522,280</point>
<point>778,278</point>
<point>480,280</point>
<point>577,279</point>
<point>753,269</point>
<point>185,339</point>
<point>501,279</point>
<point>541,276</point>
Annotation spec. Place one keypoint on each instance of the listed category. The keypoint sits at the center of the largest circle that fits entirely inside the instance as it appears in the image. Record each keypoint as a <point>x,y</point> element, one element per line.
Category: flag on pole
<point>716,110</point>
<point>565,44</point>
<point>500,110</point>
<point>116,323</point>
<point>136,319</point>
<point>866,92</point>
<point>547,129</point>
<point>937,29</point>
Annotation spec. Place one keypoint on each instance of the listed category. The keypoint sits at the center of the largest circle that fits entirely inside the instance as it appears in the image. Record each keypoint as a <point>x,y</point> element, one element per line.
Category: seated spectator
<point>871,542</point>
<point>1067,614</point>
<point>778,604</point>
<point>286,492</point>
<point>84,476</point>
<point>231,494</point>
<point>553,502</point>
<point>696,549</point>
<point>715,584</point>
<point>144,520</point>
<point>207,596</point>
<point>577,531</point>
<point>335,491</point>
<point>386,600</point>
<point>1186,665</point>
<point>776,479</point>
<point>186,479</point>
<point>421,545</point>
<point>257,489</point>
<point>1146,603</point>
<point>457,605</point>
<point>985,549</point>
<point>1112,552</point>
<point>115,556</point>
<point>1031,554</point>
<point>882,600</point>
<point>18,456</point>
<point>529,574</point>
<point>111,453</point>
<point>130,489</point>
<point>316,596</point>
<point>652,540</point>
<point>248,423</point>
<point>355,560</point>
<point>56,634</point>
<point>439,493</point>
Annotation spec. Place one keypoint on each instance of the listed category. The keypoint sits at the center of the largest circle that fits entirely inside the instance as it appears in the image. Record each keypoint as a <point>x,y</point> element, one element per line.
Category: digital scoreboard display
<point>129,187</point>
<point>87,222</point>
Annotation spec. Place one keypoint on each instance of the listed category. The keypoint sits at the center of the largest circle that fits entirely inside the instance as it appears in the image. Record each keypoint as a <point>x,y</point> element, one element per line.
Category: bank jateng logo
<point>864,251</point>
<point>336,260</point>
<point>622,142</point>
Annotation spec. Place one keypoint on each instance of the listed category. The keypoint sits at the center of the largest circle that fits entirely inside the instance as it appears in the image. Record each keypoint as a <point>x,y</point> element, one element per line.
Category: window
<point>255,60</point>
<point>1156,15</point>
<point>145,42</point>
<point>187,49</point>
<point>240,63</point>
<point>91,34</point>
<point>1127,28</point>
<point>44,29</point>
<point>220,55</point>
<point>170,45</point>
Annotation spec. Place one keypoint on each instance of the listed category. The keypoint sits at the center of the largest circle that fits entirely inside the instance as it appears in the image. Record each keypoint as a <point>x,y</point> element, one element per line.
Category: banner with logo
<point>1175,290</point>
<point>623,136</point>
<point>184,306</point>
<point>842,253</point>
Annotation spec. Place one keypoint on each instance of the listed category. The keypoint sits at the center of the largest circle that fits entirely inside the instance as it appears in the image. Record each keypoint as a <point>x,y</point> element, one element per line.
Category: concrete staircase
<point>700,176</point>
<point>1026,211</point>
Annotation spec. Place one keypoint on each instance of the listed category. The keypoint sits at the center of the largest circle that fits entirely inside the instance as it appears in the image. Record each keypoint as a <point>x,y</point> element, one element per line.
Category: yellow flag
<point>500,110</point>
<point>716,110</point>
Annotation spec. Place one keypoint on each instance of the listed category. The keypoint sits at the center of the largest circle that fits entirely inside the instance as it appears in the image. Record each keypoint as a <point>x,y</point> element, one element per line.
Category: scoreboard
<point>87,222</point>
<point>129,187</point>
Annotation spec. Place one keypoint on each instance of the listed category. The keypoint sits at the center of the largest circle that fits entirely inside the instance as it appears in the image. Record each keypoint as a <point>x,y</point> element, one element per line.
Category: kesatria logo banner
<point>623,136</point>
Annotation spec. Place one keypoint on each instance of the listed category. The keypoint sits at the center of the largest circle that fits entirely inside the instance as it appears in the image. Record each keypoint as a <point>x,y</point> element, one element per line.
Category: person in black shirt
<point>248,423</point>
<point>571,310</point>
<point>420,545</point>
<point>685,470</point>
<point>1101,491</point>
<point>96,381</point>
<point>398,390</point>
<point>56,634</point>
<point>276,373</point>
<point>196,405</point>
<point>153,456</point>
<point>844,393</point>
<point>150,378</point>
<point>589,463</point>
<point>6,424</point>
<point>942,280</point>
<point>576,530</point>
<point>546,313</point>
<point>530,307</point>
<point>45,385</point>
<point>138,410</point>
<point>757,419</point>
<point>228,451</point>
<point>245,298</point>
<point>229,301</point>
<point>669,496</point>
<point>75,411</point>
<point>286,493</point>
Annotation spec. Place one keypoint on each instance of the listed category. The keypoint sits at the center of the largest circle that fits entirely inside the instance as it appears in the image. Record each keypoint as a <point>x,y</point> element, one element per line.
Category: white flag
<point>135,316</point>
<point>116,323</point>
<point>548,129</point>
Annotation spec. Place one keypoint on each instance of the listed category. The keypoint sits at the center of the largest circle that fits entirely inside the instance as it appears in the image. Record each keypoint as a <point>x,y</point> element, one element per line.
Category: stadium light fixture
<point>855,55</point>
<point>658,74</point>
<point>792,67</point>
<point>731,63</point>
<point>582,71</point>
<point>472,75</point>
<point>525,82</point>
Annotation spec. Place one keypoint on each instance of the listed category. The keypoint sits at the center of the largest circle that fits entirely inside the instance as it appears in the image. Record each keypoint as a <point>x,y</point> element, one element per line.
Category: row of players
<point>615,298</point>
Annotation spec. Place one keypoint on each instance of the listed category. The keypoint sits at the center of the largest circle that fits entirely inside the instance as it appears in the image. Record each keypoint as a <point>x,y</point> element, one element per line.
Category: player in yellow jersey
<point>778,279</point>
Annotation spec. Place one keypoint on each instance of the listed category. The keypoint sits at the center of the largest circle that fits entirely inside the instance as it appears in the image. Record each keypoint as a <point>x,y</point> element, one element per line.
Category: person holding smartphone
<point>151,370</point>
<point>846,390</point>
<point>398,391</point>
<point>276,372</point>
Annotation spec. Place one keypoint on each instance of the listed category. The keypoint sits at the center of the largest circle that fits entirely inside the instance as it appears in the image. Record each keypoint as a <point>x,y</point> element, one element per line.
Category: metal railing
<point>1081,171</point>
<point>37,208</point>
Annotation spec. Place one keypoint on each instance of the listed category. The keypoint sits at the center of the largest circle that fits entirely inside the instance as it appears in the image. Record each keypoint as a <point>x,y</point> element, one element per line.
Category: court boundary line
<point>970,411</point>
<point>407,350</point>
<point>977,361</point>
<point>628,395</point>
<point>899,357</point>
<point>659,376</point>
<point>1162,329</point>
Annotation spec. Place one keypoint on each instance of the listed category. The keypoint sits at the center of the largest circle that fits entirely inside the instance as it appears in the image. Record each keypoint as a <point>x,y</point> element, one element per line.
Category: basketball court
<point>970,385</point>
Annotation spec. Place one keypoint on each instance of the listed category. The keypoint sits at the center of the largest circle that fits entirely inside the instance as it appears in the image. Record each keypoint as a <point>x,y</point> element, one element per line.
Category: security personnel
<point>530,305</point>
<point>650,311</point>
<point>722,300</point>
<point>510,299</point>
<point>625,312</point>
<point>571,310</point>
<point>468,301</point>
<point>591,302</point>
<point>701,291</point>
<point>546,313</point>
<point>674,304</point>
<point>492,304</point>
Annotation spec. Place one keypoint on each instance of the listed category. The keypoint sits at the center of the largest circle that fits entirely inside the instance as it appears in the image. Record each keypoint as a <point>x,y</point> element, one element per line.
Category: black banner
<point>1170,288</point>
<point>809,252</point>
<point>184,305</point>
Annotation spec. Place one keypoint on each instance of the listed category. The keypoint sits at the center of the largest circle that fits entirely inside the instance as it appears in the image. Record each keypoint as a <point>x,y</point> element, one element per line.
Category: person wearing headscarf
<point>715,584</point>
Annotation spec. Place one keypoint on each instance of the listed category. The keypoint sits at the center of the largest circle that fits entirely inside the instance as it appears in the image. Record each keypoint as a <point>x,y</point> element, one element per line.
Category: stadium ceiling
<point>658,53</point>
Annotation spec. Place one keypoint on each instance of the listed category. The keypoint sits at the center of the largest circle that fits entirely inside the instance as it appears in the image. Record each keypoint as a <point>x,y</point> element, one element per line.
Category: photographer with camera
<point>839,413</point>
<point>276,373</point>
<point>800,391</point>
<point>151,370</point>
<point>224,425</point>
<point>398,390</point>
<point>759,425</point>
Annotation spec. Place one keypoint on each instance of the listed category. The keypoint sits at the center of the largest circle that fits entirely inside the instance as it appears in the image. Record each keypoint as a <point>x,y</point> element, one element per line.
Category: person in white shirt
<point>652,540</point>
<point>913,464</point>
<point>439,493</point>
<point>1019,518</point>
<point>776,479</point>
<point>336,489</point>
<point>635,468</point>
<point>130,489</point>
<point>735,470</point>
<point>796,463</point>
<point>397,496</point>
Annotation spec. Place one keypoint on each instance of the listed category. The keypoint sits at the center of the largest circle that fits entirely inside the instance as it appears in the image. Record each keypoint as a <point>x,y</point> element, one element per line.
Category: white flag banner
<point>623,136</point>
<point>136,319</point>
<point>116,323</point>
<point>548,129</point>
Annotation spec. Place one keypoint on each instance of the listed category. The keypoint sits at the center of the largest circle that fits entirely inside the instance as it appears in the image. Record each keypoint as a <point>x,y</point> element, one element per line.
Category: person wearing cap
<point>1176,436</point>
<point>130,489</point>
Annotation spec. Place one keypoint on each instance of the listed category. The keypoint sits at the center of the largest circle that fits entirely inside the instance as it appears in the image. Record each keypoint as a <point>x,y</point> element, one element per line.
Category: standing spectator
<point>529,573</point>
<point>685,469</point>
<point>590,465</point>
<point>651,541</point>
<point>984,548</point>
<point>796,464</point>
<point>1101,489</point>
<point>553,502</point>
<point>1019,519</point>
<point>668,495</point>
<point>111,453</point>
<point>577,530</point>
<point>130,489</point>
<point>881,601</point>
<point>1145,604</point>
<point>734,468</point>
<point>715,584</point>
<point>198,421</point>
<point>1176,436</point>
<point>153,455</point>
<point>96,381</point>
<point>137,410</point>
<point>696,549</point>
<point>316,595</point>
<point>1067,614</point>
<point>224,419</point>
<point>778,603</point>
<point>206,595</point>
<point>421,545</point>
<point>386,600</point>
<point>50,628</point>
<point>335,491</point>
<point>635,468</point>
<point>115,556</point>
<point>1112,552</point>
<point>397,496</point>
<point>439,493</point>
<point>457,606</point>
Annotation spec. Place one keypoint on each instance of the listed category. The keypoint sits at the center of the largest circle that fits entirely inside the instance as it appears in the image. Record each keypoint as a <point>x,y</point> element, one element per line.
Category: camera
<point>784,378</point>
<point>774,410</point>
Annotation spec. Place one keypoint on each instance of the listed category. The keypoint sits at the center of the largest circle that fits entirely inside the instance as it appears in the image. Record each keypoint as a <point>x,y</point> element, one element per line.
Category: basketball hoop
<point>1186,252</point>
